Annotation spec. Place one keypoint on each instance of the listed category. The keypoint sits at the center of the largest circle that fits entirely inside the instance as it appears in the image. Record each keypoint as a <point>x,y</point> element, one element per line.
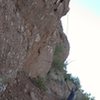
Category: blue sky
<point>93,5</point>
<point>82,26</point>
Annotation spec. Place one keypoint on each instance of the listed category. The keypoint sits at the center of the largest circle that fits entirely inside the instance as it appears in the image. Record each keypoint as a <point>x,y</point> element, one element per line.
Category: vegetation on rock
<point>40,82</point>
<point>57,63</point>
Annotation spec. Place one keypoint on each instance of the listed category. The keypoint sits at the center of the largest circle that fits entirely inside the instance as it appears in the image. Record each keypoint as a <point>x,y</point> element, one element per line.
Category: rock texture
<point>33,49</point>
<point>30,30</point>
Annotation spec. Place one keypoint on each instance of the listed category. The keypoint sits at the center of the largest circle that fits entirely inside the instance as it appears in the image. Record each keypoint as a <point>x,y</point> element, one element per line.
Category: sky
<point>82,26</point>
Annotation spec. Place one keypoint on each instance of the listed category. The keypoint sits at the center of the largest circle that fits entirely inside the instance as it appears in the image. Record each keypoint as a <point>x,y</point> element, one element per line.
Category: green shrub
<point>74,80</point>
<point>58,49</point>
<point>57,63</point>
<point>67,76</point>
<point>87,96</point>
<point>40,82</point>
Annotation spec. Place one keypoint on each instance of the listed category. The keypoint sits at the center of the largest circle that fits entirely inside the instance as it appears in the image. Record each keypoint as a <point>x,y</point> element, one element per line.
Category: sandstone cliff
<point>33,49</point>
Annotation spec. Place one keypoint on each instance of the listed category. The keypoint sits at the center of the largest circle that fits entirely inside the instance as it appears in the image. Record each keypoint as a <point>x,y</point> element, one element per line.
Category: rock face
<point>30,30</point>
<point>33,49</point>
